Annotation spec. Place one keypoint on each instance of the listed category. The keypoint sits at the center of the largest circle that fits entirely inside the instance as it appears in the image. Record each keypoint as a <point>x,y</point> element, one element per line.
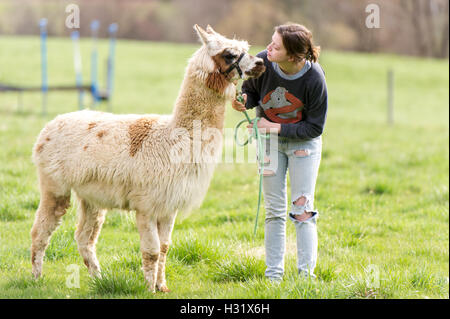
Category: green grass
<point>382,191</point>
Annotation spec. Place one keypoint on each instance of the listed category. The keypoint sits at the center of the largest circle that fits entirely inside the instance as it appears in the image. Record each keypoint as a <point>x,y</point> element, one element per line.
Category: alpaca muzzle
<point>257,70</point>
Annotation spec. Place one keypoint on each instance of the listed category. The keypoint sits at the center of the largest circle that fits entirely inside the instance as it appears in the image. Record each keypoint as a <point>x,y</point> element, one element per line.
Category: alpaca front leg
<point>148,232</point>
<point>48,218</point>
<point>165,226</point>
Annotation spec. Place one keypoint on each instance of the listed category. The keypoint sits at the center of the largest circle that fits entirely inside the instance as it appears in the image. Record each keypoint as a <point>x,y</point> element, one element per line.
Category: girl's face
<point>275,50</point>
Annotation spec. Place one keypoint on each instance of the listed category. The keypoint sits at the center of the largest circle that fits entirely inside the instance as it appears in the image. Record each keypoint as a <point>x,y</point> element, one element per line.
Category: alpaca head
<point>221,61</point>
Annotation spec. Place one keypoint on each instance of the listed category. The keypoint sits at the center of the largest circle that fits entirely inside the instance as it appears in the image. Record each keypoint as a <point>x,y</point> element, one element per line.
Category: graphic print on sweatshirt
<point>280,106</point>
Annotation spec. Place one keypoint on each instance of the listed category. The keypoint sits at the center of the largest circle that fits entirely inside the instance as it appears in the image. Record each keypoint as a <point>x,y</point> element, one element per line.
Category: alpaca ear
<point>202,34</point>
<point>210,30</point>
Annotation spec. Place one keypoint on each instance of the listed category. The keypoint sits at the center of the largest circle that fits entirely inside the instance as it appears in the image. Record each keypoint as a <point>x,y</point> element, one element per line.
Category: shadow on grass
<point>243,269</point>
<point>26,281</point>
<point>190,250</point>
<point>379,188</point>
<point>115,281</point>
<point>62,245</point>
<point>10,212</point>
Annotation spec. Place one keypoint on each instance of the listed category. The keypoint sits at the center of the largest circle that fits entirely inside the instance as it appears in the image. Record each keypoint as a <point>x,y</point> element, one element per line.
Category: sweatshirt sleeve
<point>314,114</point>
<point>249,87</point>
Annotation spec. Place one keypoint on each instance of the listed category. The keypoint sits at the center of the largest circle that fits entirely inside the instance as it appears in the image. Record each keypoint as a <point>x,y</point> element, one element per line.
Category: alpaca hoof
<point>36,275</point>
<point>164,288</point>
<point>95,271</point>
<point>151,288</point>
<point>96,274</point>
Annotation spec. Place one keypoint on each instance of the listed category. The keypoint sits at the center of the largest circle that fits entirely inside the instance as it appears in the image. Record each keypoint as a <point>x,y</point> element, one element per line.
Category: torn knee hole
<point>301,217</point>
<point>302,153</point>
<point>268,172</point>
<point>301,201</point>
<point>266,159</point>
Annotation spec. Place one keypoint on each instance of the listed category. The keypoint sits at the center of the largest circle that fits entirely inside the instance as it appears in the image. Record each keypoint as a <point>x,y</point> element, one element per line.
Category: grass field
<point>382,191</point>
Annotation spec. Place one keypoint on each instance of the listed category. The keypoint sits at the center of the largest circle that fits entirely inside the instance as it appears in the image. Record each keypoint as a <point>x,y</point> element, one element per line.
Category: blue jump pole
<point>44,86</point>
<point>94,55</point>
<point>75,35</point>
<point>110,68</point>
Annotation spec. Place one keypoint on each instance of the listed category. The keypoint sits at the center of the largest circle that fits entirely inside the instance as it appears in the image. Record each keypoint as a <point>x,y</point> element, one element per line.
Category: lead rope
<point>258,137</point>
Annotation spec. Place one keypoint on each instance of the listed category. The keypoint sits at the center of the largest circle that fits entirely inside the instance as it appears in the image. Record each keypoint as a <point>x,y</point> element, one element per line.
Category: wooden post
<point>44,84</point>
<point>390,102</point>
<point>20,101</point>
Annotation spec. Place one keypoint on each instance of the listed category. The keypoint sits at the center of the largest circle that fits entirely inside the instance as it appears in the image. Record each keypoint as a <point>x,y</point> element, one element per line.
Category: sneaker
<point>306,274</point>
<point>274,280</point>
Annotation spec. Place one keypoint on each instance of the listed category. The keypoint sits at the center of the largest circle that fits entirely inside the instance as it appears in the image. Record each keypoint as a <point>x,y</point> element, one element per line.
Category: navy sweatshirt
<point>299,102</point>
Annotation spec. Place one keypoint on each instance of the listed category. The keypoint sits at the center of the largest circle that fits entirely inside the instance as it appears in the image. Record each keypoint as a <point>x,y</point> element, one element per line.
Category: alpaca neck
<point>196,102</point>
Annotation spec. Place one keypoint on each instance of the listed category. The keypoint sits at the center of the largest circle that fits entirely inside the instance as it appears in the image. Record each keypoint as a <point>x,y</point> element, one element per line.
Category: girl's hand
<point>238,106</point>
<point>265,124</point>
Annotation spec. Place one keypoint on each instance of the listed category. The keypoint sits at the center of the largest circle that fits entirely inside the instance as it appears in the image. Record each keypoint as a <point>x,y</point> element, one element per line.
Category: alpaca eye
<point>229,57</point>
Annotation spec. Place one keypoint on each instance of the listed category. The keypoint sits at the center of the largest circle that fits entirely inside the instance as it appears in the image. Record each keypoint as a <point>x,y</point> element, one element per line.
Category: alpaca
<point>132,162</point>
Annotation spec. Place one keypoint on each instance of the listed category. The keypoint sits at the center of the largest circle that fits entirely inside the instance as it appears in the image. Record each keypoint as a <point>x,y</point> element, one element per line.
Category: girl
<point>291,99</point>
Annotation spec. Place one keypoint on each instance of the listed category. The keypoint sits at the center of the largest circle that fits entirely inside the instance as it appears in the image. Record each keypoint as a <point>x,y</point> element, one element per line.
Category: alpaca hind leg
<point>165,226</point>
<point>48,217</point>
<point>148,231</point>
<point>89,226</point>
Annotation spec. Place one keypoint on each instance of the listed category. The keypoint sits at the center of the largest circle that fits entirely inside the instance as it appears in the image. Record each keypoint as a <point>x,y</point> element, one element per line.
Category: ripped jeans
<point>302,157</point>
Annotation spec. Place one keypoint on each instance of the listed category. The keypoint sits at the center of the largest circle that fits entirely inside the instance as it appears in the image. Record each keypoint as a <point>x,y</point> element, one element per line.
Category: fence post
<point>390,102</point>
<point>20,101</point>
<point>110,63</point>
<point>94,81</point>
<point>75,35</point>
<point>43,26</point>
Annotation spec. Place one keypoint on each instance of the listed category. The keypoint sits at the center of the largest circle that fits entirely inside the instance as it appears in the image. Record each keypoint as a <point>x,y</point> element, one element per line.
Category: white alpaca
<point>130,161</point>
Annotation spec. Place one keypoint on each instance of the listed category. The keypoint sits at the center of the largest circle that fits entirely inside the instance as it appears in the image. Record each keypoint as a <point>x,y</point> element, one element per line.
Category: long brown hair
<point>297,40</point>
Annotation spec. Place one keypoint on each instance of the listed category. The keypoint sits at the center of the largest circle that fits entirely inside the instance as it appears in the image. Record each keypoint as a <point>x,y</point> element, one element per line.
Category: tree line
<point>411,27</point>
